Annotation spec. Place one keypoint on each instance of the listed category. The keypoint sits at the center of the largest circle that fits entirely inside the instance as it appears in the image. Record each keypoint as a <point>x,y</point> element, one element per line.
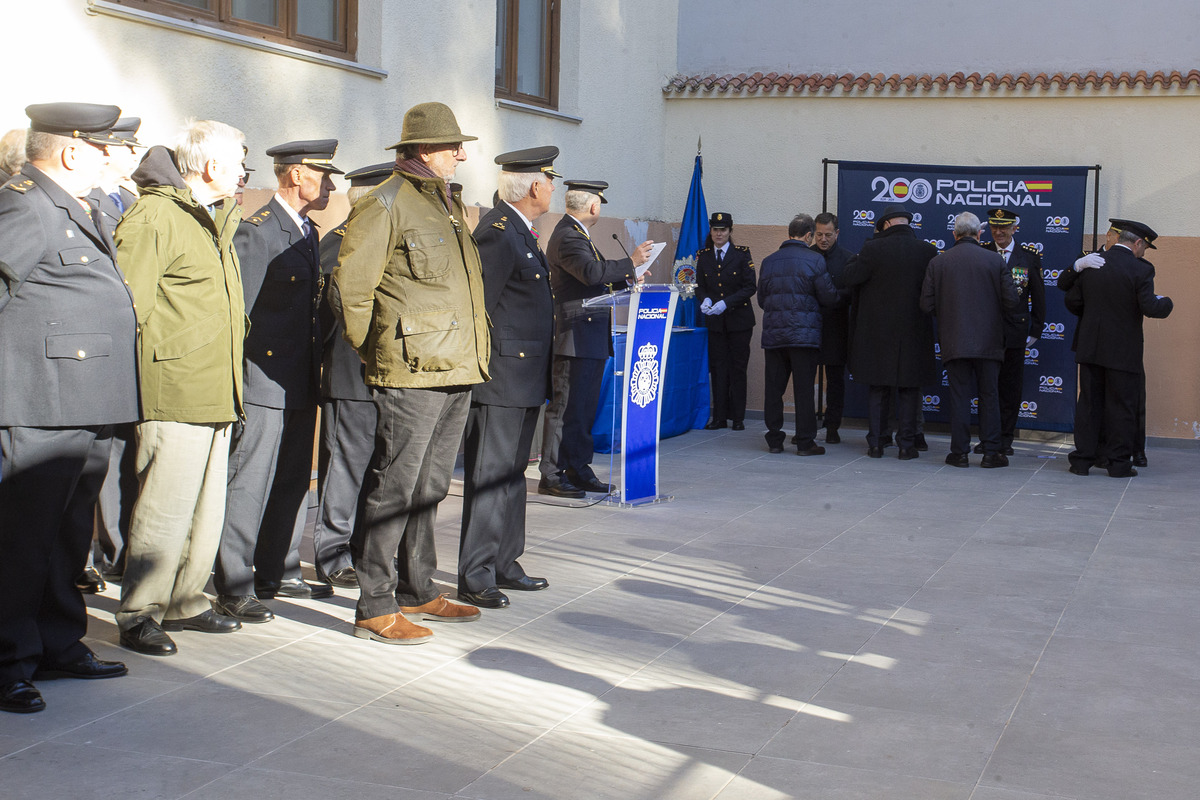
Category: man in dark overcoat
<point>969,289</point>
<point>892,343</point>
<point>504,410</point>
<point>1111,303</point>
<point>835,324</point>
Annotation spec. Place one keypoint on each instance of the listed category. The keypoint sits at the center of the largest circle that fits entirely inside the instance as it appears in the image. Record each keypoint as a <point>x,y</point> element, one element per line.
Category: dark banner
<point>1050,201</point>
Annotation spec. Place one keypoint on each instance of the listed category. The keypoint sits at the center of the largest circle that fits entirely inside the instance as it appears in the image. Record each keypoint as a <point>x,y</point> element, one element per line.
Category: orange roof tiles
<point>818,83</point>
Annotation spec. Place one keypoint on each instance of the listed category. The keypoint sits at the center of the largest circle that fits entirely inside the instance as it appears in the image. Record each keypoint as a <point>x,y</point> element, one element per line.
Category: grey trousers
<point>495,455</point>
<point>344,456</point>
<point>416,440</point>
<point>270,467</point>
<point>115,504</point>
<point>176,523</point>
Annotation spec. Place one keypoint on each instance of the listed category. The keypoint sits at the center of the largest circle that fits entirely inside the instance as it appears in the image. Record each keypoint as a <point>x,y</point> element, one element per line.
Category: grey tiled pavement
<point>833,627</point>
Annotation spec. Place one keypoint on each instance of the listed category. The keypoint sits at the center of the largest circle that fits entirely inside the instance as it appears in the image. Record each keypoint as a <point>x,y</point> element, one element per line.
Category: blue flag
<point>692,233</point>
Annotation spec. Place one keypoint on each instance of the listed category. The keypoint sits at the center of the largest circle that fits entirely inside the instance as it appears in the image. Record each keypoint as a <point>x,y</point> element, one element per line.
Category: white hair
<point>514,186</point>
<point>966,224</point>
<point>201,140</point>
<point>579,200</point>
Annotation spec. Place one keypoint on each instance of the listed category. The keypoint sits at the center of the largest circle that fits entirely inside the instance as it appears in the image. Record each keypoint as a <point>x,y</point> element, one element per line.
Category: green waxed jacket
<point>183,271</point>
<point>409,290</point>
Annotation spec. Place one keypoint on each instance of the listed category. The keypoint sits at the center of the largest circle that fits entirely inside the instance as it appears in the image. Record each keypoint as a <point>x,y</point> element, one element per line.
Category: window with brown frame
<point>527,51</point>
<point>323,26</point>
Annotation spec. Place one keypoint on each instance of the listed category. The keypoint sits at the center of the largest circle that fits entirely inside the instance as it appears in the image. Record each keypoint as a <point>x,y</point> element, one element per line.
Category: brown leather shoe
<point>391,629</point>
<point>439,609</point>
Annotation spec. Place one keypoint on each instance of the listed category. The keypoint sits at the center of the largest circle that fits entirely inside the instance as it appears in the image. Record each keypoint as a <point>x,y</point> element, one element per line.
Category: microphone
<point>623,250</point>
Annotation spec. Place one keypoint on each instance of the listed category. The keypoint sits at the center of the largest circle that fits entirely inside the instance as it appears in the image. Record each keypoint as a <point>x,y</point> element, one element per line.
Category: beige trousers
<point>177,519</point>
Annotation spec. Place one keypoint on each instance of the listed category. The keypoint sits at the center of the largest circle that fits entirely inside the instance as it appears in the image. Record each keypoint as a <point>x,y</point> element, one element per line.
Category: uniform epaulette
<point>260,217</point>
<point>1031,248</point>
<point>704,250</point>
<point>500,225</point>
<point>19,186</point>
<point>741,247</point>
<point>340,230</point>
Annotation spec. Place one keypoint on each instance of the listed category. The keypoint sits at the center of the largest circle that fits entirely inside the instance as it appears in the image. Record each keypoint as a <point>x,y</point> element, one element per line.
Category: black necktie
<point>720,257</point>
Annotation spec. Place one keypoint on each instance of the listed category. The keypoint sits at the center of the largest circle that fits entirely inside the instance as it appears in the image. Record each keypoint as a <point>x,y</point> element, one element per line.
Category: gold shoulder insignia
<point>340,230</point>
<point>19,186</point>
<point>704,250</point>
<point>1030,247</point>
<point>742,247</point>
<point>499,225</point>
<point>255,220</point>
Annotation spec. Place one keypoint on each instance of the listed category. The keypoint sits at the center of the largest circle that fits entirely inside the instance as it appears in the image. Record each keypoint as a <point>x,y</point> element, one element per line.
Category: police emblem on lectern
<point>644,380</point>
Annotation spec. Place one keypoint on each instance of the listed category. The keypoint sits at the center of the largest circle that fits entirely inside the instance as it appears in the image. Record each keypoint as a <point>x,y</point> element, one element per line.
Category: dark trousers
<point>495,454</point>
<point>799,364</point>
<point>343,458</point>
<point>270,468</point>
<point>48,487</point>
<point>1108,401</point>
<point>965,376</point>
<point>1011,383</point>
<point>114,506</point>
<point>835,395</point>
<point>567,433</point>
<point>416,440</point>
<point>908,413</point>
<point>728,358</point>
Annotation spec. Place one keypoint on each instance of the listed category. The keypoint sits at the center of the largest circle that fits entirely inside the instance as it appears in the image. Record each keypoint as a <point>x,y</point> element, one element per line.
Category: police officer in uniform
<point>504,411</point>
<point>1111,303</point>
<point>1022,325</point>
<point>348,416</point>
<point>582,341</point>
<point>270,463</point>
<point>68,373</point>
<point>725,284</point>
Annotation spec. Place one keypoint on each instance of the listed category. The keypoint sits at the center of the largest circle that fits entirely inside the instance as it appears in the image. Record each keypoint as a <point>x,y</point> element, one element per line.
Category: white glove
<point>718,308</point>
<point>706,305</point>
<point>1029,340</point>
<point>1090,261</point>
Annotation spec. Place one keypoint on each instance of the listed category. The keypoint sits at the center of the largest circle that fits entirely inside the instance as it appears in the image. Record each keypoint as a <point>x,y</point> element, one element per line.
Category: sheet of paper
<point>655,249</point>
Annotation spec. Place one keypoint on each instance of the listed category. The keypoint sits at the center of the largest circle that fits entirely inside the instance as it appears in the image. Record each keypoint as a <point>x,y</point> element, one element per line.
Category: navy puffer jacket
<point>793,284</point>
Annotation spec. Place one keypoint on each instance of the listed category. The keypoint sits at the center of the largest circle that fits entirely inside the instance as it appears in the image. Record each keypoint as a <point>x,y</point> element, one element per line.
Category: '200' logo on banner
<point>897,190</point>
<point>1050,384</point>
<point>1054,331</point>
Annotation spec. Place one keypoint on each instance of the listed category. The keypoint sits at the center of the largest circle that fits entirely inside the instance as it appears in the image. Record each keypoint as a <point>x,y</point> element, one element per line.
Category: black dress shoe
<point>886,441</point>
<point>908,453</point>
<point>874,452</point>
<point>1102,462</point>
<point>978,449</point>
<point>738,425</point>
<point>346,577</point>
<point>90,582</point>
<point>811,450</point>
<point>920,443</point>
<point>831,437</point>
<point>490,597</point>
<point>958,460</point>
<point>205,622</point>
<point>1008,451</point>
<point>1078,469</point>
<point>774,448</point>
<point>590,483</point>
<point>713,425</point>
<point>1139,459</point>
<point>244,608</point>
<point>563,488</point>
<point>994,461</point>
<point>1132,473</point>
<point>524,584</point>
<point>89,668</point>
<point>147,637</point>
<point>21,697</point>
<point>293,588</point>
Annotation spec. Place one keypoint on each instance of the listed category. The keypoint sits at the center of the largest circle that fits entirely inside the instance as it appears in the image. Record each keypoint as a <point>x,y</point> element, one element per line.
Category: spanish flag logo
<point>1039,186</point>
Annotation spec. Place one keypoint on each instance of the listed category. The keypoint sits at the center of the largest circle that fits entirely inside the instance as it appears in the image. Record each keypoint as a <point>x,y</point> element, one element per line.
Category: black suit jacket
<point>343,374</point>
<point>1110,303</point>
<point>733,281</point>
<point>68,331</point>
<point>520,304</point>
<point>1025,265</point>
<point>281,277</point>
<point>579,272</point>
<point>835,320</point>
